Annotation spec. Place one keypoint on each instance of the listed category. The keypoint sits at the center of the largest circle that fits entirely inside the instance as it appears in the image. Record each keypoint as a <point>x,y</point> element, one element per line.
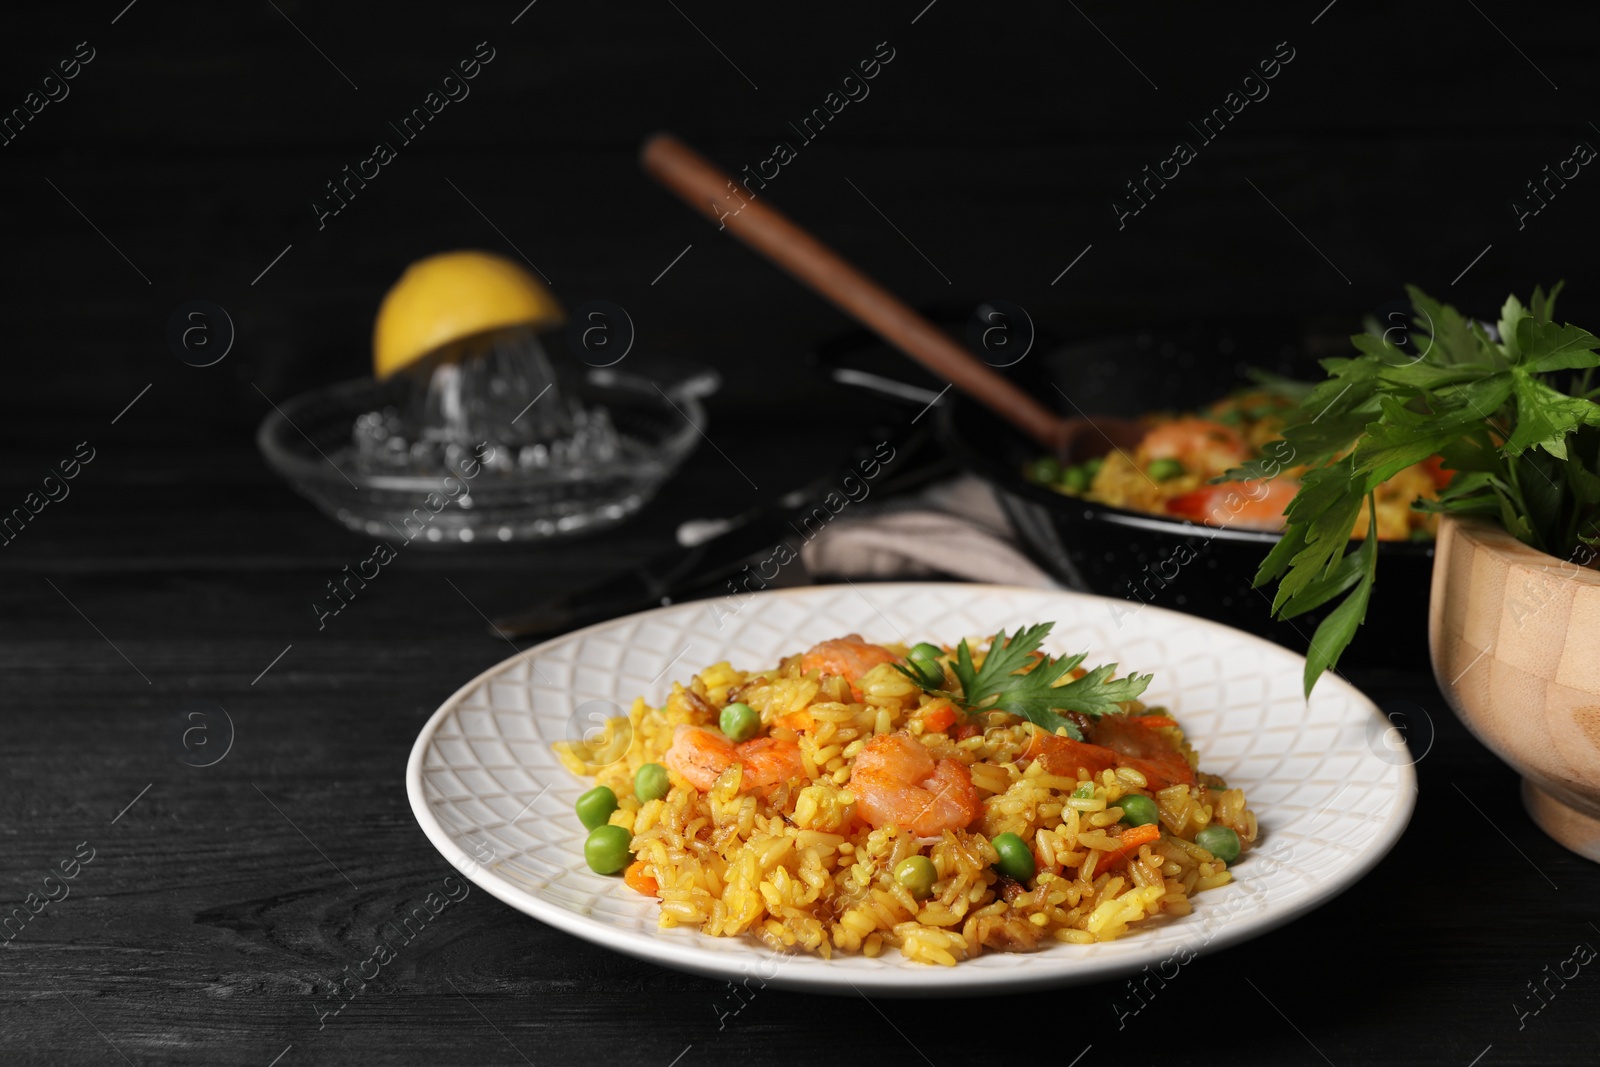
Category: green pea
<point>1220,841</point>
<point>1138,810</point>
<point>650,782</point>
<point>1045,469</point>
<point>917,874</point>
<point>606,849</point>
<point>1077,479</point>
<point>1085,791</point>
<point>1016,858</point>
<point>740,722</point>
<point>1093,465</point>
<point>595,807</point>
<point>1163,470</point>
<point>924,663</point>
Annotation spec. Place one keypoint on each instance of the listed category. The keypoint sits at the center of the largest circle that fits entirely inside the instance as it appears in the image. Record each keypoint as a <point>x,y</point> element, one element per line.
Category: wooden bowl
<point>1515,640</point>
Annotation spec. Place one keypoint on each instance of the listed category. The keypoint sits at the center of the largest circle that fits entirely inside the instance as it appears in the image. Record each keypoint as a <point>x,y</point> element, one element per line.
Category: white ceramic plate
<point>1331,787</point>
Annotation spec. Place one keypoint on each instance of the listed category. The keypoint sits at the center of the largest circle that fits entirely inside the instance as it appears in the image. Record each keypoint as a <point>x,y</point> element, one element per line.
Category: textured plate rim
<point>1034,970</point>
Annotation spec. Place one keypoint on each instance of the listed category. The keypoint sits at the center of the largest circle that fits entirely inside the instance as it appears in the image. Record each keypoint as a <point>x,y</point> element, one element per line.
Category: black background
<point>208,926</point>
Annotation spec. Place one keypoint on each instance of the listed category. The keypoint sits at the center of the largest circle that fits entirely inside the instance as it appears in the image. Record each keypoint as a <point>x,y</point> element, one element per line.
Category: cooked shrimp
<point>1203,446</point>
<point>1121,744</point>
<point>699,756</point>
<point>769,761</point>
<point>896,781</point>
<point>1255,505</point>
<point>848,657</point>
<point>1146,750</point>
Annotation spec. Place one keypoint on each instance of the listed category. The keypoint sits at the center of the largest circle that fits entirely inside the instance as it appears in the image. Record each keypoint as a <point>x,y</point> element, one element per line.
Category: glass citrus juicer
<point>473,430</point>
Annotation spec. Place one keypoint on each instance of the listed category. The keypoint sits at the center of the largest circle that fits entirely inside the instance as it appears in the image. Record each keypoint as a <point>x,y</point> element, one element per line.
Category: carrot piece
<point>940,718</point>
<point>1128,846</point>
<point>1135,836</point>
<point>966,730</point>
<point>638,881</point>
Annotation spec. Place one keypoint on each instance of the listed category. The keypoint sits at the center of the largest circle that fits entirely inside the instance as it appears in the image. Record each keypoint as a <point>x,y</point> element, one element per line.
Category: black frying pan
<point>1139,558</point>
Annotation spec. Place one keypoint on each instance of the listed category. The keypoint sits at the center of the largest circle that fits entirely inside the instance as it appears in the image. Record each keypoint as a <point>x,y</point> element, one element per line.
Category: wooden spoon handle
<point>711,192</point>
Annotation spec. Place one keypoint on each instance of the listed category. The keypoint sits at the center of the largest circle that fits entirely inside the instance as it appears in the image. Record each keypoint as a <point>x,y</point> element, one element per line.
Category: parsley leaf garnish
<point>1514,417</point>
<point>1038,695</point>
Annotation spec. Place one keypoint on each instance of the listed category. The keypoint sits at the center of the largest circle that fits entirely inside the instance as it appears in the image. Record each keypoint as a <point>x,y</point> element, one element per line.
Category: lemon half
<point>450,297</point>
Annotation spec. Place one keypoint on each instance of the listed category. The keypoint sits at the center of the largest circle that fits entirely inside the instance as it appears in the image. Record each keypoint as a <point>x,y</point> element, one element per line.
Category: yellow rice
<point>798,871</point>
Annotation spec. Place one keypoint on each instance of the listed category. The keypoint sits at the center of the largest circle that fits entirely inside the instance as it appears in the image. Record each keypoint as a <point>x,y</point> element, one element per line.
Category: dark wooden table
<point>223,903</point>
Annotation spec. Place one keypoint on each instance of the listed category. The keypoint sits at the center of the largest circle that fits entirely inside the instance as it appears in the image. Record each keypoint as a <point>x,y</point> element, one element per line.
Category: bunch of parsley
<point>1035,694</point>
<point>1514,416</point>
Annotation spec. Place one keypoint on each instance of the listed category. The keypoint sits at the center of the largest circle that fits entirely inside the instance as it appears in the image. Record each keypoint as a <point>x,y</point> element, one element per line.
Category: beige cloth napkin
<point>954,528</point>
